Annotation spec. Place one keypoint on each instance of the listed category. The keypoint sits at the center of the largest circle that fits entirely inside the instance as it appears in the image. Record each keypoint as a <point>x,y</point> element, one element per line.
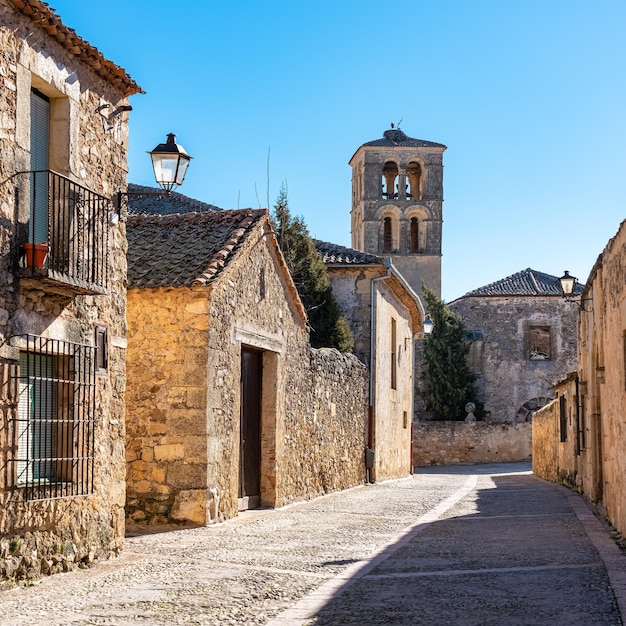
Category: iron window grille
<point>55,425</point>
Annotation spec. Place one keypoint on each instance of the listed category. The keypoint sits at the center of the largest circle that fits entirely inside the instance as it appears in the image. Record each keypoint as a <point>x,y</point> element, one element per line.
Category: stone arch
<point>415,179</point>
<point>389,235</point>
<point>390,177</point>
<point>417,232</point>
<point>530,407</point>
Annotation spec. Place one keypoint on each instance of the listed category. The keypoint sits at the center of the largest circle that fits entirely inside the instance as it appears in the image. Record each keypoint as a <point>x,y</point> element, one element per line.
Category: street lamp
<point>428,325</point>
<point>567,283</point>
<point>170,162</point>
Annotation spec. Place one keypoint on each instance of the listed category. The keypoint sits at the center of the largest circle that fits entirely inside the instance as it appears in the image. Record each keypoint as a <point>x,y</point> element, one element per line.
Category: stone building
<point>580,438</point>
<point>397,205</point>
<point>228,407</point>
<point>385,315</point>
<point>523,340</point>
<point>63,149</point>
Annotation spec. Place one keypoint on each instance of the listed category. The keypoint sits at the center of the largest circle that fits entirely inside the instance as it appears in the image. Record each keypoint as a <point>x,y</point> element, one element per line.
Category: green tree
<point>329,328</point>
<point>449,382</point>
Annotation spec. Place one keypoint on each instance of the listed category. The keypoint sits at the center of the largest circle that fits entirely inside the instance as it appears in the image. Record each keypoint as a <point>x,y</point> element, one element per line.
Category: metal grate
<point>55,429</point>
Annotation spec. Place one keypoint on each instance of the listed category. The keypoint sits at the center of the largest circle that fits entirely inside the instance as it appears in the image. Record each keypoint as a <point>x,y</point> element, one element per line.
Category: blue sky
<point>530,99</point>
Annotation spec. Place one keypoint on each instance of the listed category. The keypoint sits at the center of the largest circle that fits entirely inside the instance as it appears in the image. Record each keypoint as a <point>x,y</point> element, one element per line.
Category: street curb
<point>613,558</point>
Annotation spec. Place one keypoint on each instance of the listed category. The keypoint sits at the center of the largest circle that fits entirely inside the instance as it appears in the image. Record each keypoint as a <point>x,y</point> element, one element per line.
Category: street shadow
<point>510,553</point>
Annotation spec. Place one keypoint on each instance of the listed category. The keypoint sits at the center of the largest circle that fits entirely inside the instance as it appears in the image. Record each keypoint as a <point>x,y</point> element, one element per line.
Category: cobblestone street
<point>466,545</point>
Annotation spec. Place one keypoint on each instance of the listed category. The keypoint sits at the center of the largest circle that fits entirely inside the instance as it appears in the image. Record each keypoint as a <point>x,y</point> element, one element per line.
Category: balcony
<point>64,246</point>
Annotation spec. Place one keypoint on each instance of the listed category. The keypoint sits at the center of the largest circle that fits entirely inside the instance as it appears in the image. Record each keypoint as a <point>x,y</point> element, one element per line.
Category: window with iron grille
<point>55,419</point>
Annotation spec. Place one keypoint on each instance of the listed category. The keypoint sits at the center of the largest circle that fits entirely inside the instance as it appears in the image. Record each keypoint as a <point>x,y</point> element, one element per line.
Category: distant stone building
<point>523,336</point>
<point>580,438</point>
<point>386,316</point>
<point>62,301</point>
<point>228,407</point>
<point>397,205</point>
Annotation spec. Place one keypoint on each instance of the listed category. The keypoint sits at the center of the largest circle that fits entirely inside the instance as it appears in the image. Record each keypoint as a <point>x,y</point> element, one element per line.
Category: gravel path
<point>472,545</point>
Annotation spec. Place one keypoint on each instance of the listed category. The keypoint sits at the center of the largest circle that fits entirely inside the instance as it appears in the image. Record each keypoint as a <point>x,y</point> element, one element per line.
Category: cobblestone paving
<point>493,548</point>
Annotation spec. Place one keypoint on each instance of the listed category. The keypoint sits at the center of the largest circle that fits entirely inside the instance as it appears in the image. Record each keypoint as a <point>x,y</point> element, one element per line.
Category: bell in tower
<point>397,202</point>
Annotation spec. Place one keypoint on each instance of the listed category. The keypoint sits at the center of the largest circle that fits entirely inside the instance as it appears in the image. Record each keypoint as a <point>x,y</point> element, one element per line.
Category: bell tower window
<point>387,235</point>
<point>414,175</point>
<point>389,181</point>
<point>414,242</point>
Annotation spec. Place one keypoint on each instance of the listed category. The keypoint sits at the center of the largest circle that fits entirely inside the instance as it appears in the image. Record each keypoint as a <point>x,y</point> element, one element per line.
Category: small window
<point>405,419</point>
<point>563,418</point>
<point>262,284</point>
<point>387,235</point>
<point>414,243</point>
<point>624,357</point>
<point>102,349</point>
<point>394,364</point>
<point>540,343</point>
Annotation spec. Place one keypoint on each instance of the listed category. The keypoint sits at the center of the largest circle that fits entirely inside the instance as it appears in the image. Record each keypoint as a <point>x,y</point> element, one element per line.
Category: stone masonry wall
<point>452,443</point>
<point>166,451</point>
<point>55,535</point>
<point>325,427</point>
<point>545,437</point>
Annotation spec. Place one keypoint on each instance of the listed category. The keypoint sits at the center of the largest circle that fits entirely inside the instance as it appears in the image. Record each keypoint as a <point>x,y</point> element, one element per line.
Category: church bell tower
<point>397,203</point>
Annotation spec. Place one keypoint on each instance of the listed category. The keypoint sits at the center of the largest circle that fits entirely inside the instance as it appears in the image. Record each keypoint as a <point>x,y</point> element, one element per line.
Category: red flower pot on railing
<point>36,254</point>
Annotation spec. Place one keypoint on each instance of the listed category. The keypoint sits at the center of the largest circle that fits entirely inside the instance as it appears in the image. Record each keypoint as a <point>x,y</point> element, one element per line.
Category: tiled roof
<point>332,254</point>
<point>154,204</point>
<point>525,283</point>
<point>41,14</point>
<point>395,137</point>
<point>181,250</point>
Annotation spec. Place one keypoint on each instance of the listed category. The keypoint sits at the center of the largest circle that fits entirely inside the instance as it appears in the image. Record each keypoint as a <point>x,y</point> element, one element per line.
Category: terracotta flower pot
<point>36,254</point>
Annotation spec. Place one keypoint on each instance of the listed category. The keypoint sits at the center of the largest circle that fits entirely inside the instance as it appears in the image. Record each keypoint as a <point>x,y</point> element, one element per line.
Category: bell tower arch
<point>397,204</point>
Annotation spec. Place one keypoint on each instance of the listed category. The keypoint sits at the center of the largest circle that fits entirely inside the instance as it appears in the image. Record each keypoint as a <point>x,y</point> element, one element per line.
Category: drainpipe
<point>370,460</point>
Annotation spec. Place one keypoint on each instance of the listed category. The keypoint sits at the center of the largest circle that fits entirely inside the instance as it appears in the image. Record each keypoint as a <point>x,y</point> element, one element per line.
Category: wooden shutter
<point>39,160</point>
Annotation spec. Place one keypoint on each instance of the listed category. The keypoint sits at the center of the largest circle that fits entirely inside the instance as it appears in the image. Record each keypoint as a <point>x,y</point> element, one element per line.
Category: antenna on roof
<point>400,122</point>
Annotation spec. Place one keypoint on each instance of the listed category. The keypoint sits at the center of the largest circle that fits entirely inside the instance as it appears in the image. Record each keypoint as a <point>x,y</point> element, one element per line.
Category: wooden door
<point>250,429</point>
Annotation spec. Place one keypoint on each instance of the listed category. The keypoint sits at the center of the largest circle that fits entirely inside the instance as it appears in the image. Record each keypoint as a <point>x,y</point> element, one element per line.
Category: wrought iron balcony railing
<point>67,235</point>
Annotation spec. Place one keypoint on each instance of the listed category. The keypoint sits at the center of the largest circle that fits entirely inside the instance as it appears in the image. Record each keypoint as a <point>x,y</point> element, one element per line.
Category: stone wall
<point>166,451</point>
<point>602,382</point>
<point>325,427</point>
<point>54,535</point>
<point>545,438</point>
<point>452,443</point>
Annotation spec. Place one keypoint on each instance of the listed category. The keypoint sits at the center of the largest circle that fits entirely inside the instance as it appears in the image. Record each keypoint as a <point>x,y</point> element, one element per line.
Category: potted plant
<point>36,254</point>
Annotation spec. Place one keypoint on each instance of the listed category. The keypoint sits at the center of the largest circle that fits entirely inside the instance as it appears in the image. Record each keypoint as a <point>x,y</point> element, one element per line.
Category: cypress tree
<point>449,382</point>
<point>329,328</point>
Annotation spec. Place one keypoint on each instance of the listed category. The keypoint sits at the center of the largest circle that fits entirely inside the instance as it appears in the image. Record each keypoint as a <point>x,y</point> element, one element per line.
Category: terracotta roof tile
<point>182,250</point>
<point>333,254</point>
<point>528,282</point>
<point>153,204</point>
<point>41,14</point>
